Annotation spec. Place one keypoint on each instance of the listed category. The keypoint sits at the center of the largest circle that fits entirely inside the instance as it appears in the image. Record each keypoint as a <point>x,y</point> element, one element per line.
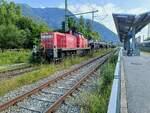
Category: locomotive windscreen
<point>47,40</point>
<point>46,36</point>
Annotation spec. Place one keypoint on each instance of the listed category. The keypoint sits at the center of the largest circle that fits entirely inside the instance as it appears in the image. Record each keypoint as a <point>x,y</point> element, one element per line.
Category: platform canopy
<point>125,23</point>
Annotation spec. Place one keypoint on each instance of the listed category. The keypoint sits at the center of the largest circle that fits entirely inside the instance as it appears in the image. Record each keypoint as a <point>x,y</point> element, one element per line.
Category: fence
<point>114,102</point>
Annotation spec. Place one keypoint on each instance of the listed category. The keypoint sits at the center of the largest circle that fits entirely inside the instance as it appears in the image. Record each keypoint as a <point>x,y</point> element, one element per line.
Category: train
<point>145,46</point>
<point>56,45</point>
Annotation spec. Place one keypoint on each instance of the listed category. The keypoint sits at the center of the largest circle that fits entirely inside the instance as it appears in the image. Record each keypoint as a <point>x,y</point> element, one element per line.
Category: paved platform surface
<point>123,104</point>
<point>137,74</point>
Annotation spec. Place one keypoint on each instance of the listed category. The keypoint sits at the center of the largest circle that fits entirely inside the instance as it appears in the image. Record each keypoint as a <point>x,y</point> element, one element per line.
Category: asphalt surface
<point>137,74</point>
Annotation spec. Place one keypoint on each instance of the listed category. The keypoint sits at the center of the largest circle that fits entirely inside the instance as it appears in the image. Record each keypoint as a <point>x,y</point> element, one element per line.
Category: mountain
<point>106,33</point>
<point>54,16</point>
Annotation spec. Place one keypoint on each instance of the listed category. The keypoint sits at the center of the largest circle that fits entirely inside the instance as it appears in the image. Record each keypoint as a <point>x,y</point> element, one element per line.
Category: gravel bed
<point>26,88</point>
<point>68,108</point>
<point>70,105</point>
<point>19,91</point>
<point>31,103</point>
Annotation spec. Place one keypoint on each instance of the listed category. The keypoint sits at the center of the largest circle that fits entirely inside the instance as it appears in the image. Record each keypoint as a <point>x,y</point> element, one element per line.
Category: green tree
<point>9,12</point>
<point>96,36</point>
<point>81,25</point>
<point>84,27</point>
<point>10,36</point>
<point>16,30</point>
<point>3,11</point>
<point>32,30</point>
<point>88,29</point>
<point>71,23</point>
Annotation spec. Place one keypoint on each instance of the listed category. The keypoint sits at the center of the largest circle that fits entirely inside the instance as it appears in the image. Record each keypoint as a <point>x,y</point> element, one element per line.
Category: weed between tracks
<point>44,71</point>
<point>97,100</point>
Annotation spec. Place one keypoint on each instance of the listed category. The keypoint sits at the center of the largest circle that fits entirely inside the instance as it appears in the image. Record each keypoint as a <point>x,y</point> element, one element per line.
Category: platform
<point>137,76</point>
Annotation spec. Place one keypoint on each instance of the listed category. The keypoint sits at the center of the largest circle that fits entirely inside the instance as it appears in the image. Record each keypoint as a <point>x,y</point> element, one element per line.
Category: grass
<point>13,57</point>
<point>44,71</point>
<point>97,100</point>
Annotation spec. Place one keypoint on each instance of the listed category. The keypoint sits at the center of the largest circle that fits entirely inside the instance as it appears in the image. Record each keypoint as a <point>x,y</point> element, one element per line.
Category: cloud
<point>104,16</point>
<point>42,7</point>
<point>111,8</point>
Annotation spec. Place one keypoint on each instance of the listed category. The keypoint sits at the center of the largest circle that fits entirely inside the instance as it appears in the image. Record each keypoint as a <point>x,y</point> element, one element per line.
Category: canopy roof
<point>125,23</point>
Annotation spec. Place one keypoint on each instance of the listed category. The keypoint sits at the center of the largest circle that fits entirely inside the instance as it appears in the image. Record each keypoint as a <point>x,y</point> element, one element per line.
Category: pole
<point>66,5</point>
<point>133,42</point>
<point>148,34</point>
<point>92,20</point>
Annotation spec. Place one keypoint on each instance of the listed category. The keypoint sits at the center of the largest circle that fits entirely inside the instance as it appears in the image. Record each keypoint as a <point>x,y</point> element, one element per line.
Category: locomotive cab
<point>49,43</point>
<point>47,40</point>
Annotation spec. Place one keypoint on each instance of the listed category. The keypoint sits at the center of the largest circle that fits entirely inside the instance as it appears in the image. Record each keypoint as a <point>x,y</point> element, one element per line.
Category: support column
<point>135,47</point>
<point>128,44</point>
<point>133,42</point>
<point>125,44</point>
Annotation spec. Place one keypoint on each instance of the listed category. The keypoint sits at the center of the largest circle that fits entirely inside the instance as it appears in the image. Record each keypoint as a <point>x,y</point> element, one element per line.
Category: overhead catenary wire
<point>99,17</point>
<point>104,14</point>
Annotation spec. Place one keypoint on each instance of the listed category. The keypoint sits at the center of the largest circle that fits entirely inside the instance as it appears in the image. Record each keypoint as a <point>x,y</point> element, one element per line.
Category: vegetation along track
<point>49,96</point>
<point>7,74</point>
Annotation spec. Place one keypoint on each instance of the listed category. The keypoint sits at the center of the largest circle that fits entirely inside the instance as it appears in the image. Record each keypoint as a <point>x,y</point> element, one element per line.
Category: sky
<point>105,7</point>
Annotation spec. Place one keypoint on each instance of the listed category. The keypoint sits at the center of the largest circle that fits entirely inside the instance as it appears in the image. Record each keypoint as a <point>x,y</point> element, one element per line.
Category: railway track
<point>49,96</point>
<point>13,67</point>
<point>7,74</point>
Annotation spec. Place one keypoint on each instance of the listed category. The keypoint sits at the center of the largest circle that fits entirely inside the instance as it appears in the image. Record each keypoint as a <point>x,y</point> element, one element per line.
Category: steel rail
<point>15,69</point>
<point>16,72</point>
<point>56,104</point>
<point>35,90</point>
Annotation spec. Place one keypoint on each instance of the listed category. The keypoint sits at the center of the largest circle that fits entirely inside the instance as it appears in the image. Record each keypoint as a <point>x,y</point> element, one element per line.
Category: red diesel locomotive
<point>57,45</point>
